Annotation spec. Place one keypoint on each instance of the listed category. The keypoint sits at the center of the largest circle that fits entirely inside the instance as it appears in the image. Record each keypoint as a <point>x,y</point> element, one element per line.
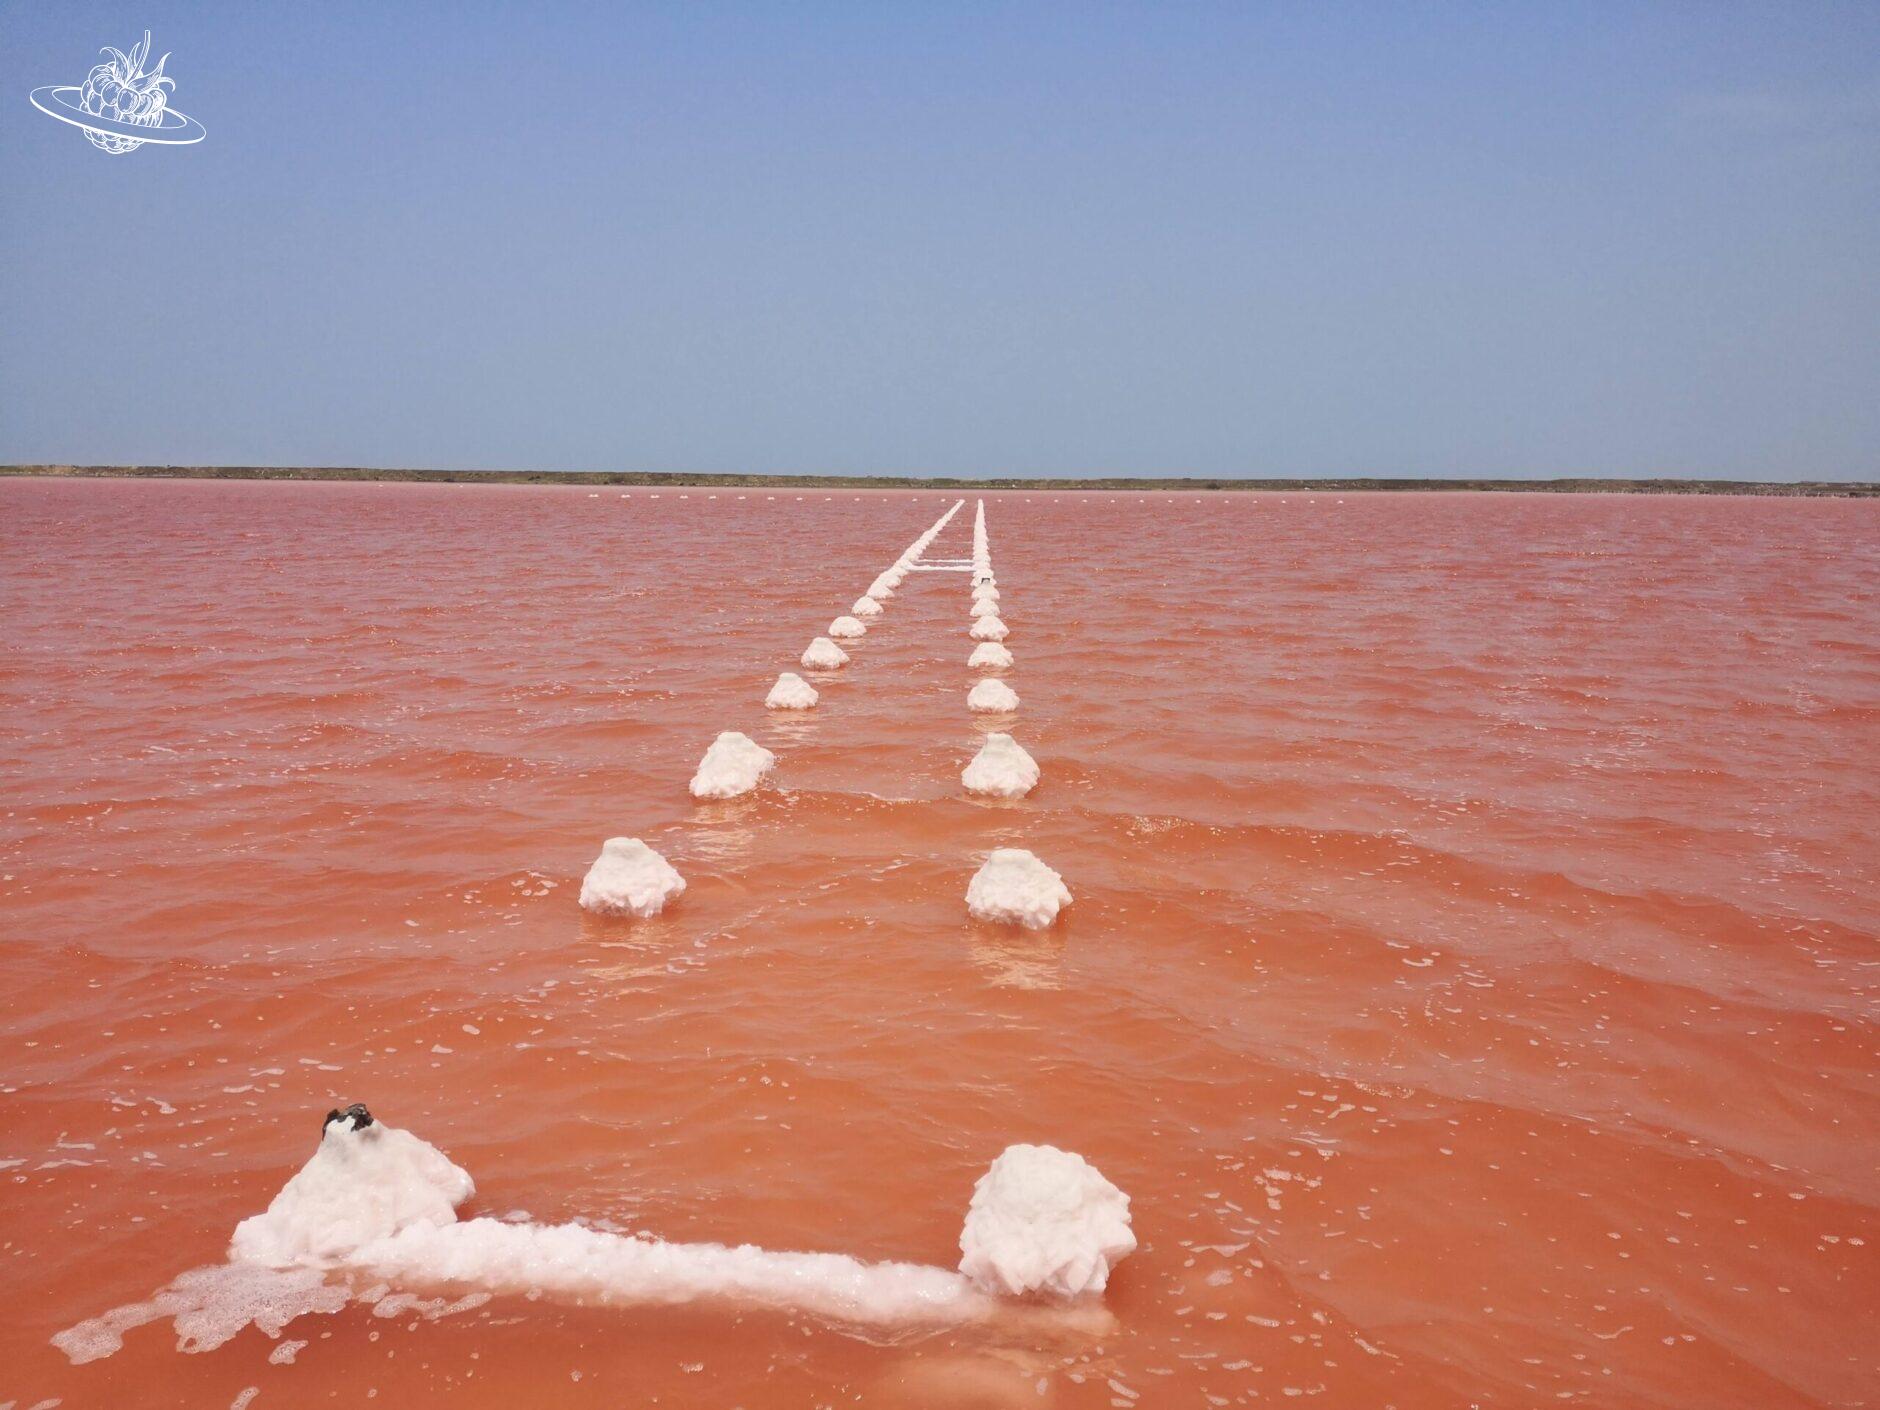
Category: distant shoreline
<point>1789,489</point>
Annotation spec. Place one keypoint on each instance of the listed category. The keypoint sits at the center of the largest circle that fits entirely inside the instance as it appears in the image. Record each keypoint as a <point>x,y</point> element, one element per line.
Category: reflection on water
<point>791,729</point>
<point>1019,959</point>
<point>637,949</point>
<point>723,830</point>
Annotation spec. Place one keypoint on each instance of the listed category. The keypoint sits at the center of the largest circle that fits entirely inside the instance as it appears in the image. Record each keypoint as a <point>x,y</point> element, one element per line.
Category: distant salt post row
<point>1012,887</point>
<point>792,692</point>
<point>629,878</point>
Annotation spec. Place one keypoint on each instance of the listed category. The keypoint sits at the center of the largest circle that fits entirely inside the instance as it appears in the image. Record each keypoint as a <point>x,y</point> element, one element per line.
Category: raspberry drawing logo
<point>121,106</point>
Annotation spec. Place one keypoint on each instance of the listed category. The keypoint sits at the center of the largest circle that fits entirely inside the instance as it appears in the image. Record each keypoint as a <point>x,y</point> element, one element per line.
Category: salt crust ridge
<point>376,1207</point>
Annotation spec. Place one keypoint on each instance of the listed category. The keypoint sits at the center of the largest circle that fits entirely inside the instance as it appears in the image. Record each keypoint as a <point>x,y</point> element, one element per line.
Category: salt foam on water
<point>992,697</point>
<point>989,654</point>
<point>208,1307</point>
<point>847,629</point>
<point>1014,888</point>
<point>1044,1220</point>
<point>1001,769</point>
<point>791,692</point>
<point>379,1203</point>
<point>823,654</point>
<point>866,606</point>
<point>989,629</point>
<point>733,765</point>
<point>629,878</point>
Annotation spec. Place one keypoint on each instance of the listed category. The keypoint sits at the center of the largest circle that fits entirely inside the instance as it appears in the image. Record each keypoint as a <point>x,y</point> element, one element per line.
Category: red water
<point>1471,976</point>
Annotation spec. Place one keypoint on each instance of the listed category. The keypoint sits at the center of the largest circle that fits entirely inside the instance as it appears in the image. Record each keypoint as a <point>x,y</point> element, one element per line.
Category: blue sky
<point>1249,239</point>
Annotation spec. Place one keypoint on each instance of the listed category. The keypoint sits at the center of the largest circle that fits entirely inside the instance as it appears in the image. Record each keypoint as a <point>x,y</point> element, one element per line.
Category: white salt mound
<point>881,588</point>
<point>984,607</point>
<point>992,697</point>
<point>823,654</point>
<point>1001,769</point>
<point>361,1185</point>
<point>985,592</point>
<point>629,878</point>
<point>847,629</point>
<point>866,606</point>
<point>990,655</point>
<point>990,629</point>
<point>1014,888</point>
<point>733,765</point>
<point>1044,1220</point>
<point>791,692</point>
<point>981,575</point>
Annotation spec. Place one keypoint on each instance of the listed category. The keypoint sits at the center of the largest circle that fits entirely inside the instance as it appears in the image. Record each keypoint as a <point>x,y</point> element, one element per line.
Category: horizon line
<point>1570,484</point>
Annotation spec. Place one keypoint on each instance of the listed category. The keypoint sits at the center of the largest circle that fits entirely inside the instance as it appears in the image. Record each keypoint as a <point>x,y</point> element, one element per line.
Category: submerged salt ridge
<point>378,1202</point>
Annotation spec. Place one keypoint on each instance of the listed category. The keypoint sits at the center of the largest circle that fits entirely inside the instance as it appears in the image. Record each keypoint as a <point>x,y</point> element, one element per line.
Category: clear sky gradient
<point>1172,238</point>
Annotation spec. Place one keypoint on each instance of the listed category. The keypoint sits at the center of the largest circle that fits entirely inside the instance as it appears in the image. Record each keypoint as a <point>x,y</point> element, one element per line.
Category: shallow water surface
<point>1471,973</point>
